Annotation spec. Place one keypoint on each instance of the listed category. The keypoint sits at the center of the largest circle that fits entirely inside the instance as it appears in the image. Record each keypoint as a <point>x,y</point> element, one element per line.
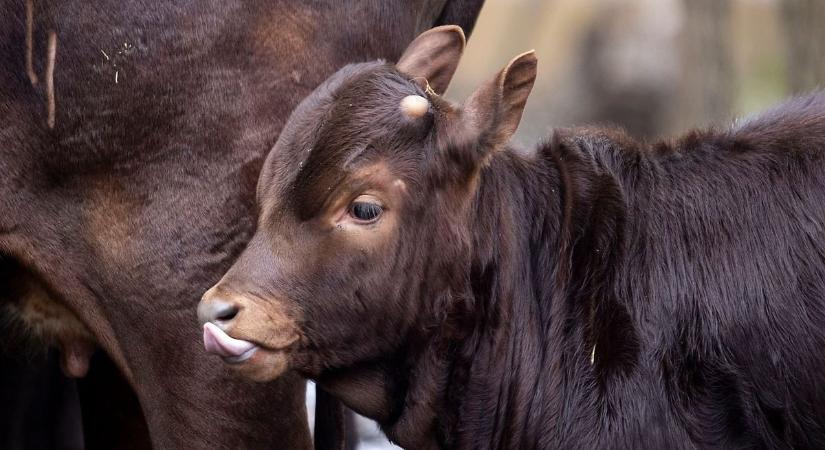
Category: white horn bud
<point>414,106</point>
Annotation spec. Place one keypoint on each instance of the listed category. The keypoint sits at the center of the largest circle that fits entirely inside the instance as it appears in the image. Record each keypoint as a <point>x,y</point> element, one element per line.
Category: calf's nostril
<point>217,311</point>
<point>225,312</point>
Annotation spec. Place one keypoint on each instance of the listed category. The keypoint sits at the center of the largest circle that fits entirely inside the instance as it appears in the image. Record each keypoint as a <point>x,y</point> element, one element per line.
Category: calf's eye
<point>365,210</point>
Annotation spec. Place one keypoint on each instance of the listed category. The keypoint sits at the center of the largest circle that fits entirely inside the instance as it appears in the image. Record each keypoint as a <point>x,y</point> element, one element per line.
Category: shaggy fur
<point>691,271</point>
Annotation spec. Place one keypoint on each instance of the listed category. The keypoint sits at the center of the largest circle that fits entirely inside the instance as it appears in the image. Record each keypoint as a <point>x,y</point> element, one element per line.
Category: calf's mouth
<point>254,338</point>
<point>232,350</point>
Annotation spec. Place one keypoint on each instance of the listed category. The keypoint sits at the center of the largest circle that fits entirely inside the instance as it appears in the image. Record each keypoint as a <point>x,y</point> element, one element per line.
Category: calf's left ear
<point>431,59</point>
<point>492,113</point>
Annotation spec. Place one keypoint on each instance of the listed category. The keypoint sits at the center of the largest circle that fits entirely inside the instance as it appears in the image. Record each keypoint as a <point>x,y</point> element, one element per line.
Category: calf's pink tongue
<point>217,342</point>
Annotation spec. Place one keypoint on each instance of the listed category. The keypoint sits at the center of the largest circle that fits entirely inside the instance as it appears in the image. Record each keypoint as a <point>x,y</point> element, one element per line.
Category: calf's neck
<point>599,293</point>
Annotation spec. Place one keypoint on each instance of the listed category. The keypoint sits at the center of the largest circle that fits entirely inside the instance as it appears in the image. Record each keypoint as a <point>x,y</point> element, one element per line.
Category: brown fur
<point>46,317</point>
<point>128,199</point>
<point>466,313</point>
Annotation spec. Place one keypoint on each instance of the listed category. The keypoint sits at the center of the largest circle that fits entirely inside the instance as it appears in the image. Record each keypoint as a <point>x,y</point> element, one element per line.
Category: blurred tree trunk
<point>625,71</point>
<point>803,21</point>
<point>708,91</point>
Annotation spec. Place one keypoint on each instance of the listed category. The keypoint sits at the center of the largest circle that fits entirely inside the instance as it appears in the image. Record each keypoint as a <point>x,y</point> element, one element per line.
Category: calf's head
<point>363,241</point>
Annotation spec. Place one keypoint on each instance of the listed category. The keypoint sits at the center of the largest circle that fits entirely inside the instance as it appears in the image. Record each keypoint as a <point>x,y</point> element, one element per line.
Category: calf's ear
<point>493,112</point>
<point>431,59</point>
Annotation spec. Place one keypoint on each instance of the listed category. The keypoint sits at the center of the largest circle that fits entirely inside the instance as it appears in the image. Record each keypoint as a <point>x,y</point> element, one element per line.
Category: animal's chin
<point>261,365</point>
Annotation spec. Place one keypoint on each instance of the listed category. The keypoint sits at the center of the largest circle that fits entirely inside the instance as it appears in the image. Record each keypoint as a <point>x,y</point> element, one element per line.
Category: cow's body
<point>601,293</point>
<point>127,184</point>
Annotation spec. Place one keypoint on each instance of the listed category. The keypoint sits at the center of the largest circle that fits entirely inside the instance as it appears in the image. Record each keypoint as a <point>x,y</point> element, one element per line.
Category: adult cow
<point>130,141</point>
<point>601,293</point>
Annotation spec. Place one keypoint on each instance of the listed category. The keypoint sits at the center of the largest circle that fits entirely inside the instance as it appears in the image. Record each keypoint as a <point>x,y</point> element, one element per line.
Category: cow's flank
<point>600,293</point>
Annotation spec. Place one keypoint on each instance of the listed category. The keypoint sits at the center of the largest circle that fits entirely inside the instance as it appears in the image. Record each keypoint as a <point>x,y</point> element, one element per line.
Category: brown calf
<point>601,293</point>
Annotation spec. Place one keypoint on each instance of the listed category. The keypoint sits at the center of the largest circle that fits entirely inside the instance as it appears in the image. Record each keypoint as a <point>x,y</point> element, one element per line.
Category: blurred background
<point>654,67</point>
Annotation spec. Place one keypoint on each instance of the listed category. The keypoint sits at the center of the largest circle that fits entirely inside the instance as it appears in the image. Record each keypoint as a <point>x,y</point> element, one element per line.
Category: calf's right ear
<point>492,113</point>
<point>431,59</point>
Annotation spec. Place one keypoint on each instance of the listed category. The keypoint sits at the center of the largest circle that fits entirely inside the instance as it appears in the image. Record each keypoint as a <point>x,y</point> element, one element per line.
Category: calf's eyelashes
<point>365,209</point>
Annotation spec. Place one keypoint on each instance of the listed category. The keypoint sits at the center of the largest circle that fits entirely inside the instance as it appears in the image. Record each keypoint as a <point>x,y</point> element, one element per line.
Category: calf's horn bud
<point>414,106</point>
